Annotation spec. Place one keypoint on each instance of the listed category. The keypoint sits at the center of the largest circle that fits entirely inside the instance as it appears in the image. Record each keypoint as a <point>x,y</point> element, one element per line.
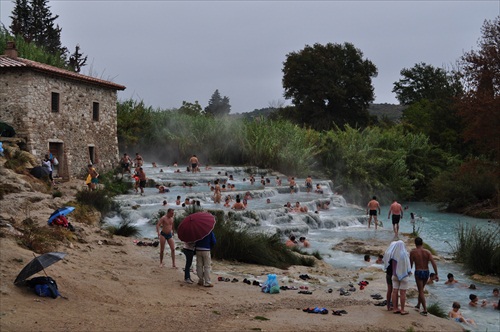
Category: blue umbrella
<point>60,212</point>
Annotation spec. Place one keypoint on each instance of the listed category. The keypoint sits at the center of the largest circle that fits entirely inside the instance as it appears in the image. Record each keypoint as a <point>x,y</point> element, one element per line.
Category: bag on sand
<point>271,285</point>
<point>44,286</point>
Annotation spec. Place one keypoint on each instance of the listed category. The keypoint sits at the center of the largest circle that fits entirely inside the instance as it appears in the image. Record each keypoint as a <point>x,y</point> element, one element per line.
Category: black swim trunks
<point>373,212</point>
<point>395,219</point>
<point>142,184</point>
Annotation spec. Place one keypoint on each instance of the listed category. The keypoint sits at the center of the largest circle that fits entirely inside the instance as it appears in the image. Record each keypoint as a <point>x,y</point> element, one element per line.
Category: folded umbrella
<point>60,212</point>
<point>38,264</point>
<point>196,226</point>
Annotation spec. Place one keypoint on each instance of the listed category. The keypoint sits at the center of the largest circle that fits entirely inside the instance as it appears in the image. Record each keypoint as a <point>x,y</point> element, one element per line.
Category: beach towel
<point>397,251</point>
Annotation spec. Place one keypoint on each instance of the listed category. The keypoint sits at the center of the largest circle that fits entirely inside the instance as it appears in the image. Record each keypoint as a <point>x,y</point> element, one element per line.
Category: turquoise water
<point>324,229</point>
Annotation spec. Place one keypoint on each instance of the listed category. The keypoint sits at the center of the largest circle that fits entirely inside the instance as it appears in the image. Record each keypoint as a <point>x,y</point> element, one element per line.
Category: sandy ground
<point>111,284</point>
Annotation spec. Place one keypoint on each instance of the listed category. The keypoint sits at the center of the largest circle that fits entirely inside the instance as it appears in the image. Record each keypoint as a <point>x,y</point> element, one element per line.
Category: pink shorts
<point>400,284</point>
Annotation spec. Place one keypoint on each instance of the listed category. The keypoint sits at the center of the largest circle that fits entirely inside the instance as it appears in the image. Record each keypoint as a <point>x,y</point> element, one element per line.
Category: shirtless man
<point>397,214</point>
<point>194,163</point>
<point>292,185</point>
<point>309,184</point>
<point>142,180</point>
<point>238,205</point>
<point>125,163</point>
<point>138,160</point>
<point>165,230</point>
<point>421,258</point>
<point>371,209</point>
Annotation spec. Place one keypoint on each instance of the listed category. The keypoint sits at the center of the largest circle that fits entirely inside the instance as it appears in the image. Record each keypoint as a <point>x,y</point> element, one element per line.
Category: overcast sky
<point>166,52</point>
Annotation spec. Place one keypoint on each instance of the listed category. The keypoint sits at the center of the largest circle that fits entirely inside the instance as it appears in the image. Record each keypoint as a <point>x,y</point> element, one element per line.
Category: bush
<point>476,248</point>
<point>42,239</point>
<point>97,198</point>
<point>254,248</point>
<point>124,229</point>
<point>436,310</point>
<point>114,186</point>
<point>57,193</point>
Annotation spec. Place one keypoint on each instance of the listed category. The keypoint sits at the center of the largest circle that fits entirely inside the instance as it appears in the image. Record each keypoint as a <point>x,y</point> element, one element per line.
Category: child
<point>457,316</point>
<point>432,277</point>
<point>474,300</point>
<point>451,279</point>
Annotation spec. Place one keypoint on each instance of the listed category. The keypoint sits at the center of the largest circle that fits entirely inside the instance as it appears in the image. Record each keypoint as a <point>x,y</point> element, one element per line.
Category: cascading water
<point>323,227</point>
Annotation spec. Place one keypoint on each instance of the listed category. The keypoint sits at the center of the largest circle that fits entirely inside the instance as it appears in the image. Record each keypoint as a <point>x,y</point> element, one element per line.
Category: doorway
<point>57,151</point>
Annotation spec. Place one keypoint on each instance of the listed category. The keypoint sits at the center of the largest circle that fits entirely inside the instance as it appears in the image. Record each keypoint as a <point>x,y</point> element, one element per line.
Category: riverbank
<point>111,284</point>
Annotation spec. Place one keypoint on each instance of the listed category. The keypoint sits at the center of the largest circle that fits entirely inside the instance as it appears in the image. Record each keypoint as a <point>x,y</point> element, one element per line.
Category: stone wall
<point>25,104</point>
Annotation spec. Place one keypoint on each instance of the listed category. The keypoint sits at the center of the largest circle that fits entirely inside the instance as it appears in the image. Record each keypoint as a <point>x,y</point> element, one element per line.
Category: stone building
<point>70,115</point>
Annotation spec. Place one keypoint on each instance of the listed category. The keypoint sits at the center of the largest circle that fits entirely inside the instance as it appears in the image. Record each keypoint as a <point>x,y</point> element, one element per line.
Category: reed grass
<point>478,249</point>
<point>436,310</point>
<point>125,229</point>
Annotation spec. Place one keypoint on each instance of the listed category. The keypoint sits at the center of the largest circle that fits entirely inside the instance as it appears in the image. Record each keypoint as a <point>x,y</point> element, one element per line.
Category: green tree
<point>218,105</point>
<point>425,82</point>
<point>190,108</point>
<point>430,95</point>
<point>329,85</point>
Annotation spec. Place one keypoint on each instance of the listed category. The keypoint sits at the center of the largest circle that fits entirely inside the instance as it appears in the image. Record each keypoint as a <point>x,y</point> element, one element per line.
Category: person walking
<point>204,260</point>
<point>421,258</point>
<point>371,210</point>
<point>397,214</point>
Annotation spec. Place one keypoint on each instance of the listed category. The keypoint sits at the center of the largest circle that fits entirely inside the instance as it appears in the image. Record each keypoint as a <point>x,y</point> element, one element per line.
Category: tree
<point>190,108</point>
<point>218,106</point>
<point>22,20</point>
<point>330,85</point>
<point>430,94</point>
<point>480,105</point>
<point>425,82</point>
<point>77,60</point>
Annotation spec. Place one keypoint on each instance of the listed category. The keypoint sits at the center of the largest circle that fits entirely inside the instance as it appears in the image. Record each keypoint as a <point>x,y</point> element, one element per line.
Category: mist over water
<point>323,227</point>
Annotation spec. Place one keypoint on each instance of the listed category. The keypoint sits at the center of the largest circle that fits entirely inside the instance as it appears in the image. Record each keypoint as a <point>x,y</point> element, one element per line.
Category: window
<point>95,111</point>
<point>55,102</point>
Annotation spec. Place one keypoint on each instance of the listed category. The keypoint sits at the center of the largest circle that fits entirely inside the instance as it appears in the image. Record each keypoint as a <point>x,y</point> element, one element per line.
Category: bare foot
<point>174,267</point>
<point>162,265</point>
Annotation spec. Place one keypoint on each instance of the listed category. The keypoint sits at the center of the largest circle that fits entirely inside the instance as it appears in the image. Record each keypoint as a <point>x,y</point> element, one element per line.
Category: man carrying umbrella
<point>165,230</point>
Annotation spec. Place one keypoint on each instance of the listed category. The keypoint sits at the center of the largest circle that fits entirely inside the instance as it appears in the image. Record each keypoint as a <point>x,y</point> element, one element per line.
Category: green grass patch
<point>478,249</point>
<point>42,239</point>
<point>124,229</point>
<point>436,310</point>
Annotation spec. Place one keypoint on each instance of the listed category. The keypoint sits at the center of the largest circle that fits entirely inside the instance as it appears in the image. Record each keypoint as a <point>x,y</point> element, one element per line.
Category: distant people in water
<point>451,279</point>
<point>380,259</point>
<point>367,258</point>
<point>304,242</point>
<point>455,315</point>
<point>432,279</point>
<point>474,301</point>
<point>291,242</point>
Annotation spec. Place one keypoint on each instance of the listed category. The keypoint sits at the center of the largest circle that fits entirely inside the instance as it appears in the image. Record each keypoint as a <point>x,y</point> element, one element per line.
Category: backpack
<point>44,286</point>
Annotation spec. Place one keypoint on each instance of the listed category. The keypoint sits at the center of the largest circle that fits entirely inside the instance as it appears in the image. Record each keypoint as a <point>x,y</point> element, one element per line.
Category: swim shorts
<point>373,212</point>
<point>165,235</point>
<point>422,274</point>
<point>94,180</point>
<point>395,219</point>
<point>142,184</point>
<point>193,166</point>
<point>309,185</point>
<point>457,319</point>
<point>400,284</point>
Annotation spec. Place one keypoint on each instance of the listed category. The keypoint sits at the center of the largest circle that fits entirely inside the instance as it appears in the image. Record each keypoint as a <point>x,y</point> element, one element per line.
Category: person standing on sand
<point>371,209</point>
<point>397,258</point>
<point>397,214</point>
<point>188,250</point>
<point>204,260</point>
<point>421,257</point>
<point>165,230</point>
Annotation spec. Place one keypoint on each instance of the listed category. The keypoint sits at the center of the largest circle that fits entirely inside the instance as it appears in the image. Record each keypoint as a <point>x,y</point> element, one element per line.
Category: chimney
<point>11,51</point>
